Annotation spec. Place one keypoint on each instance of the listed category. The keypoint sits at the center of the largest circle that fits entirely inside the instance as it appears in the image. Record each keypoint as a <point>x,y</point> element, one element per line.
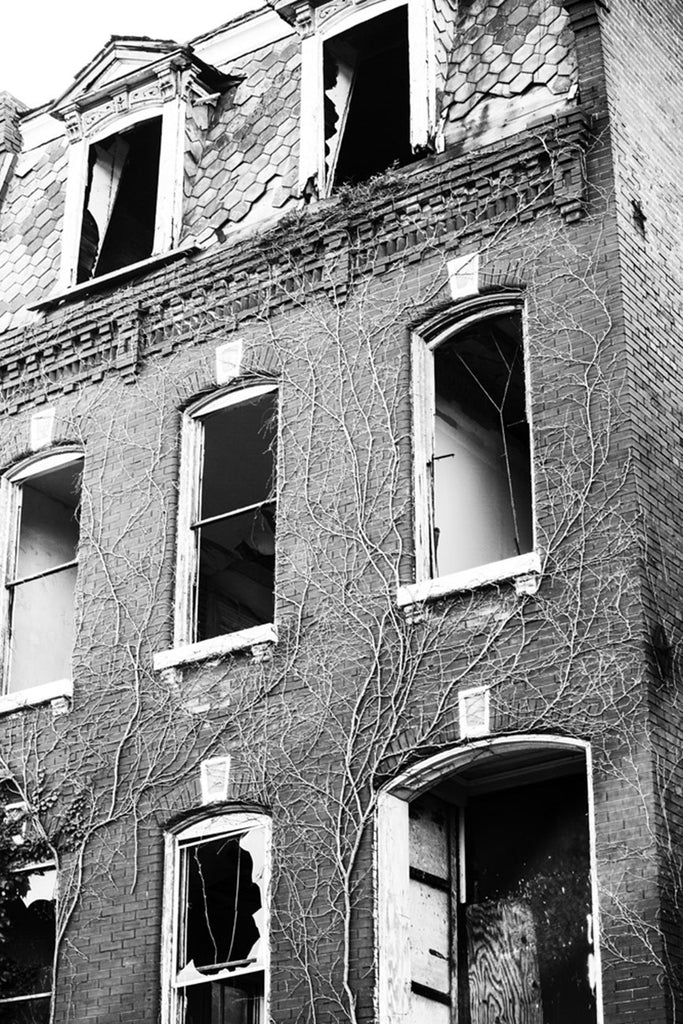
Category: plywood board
<point>502,955</point>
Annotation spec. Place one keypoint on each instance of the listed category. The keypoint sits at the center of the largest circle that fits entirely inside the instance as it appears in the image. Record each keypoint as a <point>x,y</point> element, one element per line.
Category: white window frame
<point>208,828</point>
<point>10,511</point>
<point>392,863</point>
<point>185,648</point>
<point>168,218</point>
<point>423,345</point>
<point>421,73</point>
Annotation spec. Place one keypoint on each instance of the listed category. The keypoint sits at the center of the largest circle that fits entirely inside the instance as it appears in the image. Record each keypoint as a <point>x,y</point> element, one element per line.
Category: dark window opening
<point>119,210</point>
<point>236,529</point>
<point>501,906</point>
<point>220,955</point>
<point>41,588</point>
<point>481,464</point>
<point>27,942</point>
<point>367,99</point>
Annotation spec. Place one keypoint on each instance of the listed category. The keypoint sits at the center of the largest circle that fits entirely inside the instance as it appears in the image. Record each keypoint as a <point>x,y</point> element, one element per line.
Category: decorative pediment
<point>129,74</point>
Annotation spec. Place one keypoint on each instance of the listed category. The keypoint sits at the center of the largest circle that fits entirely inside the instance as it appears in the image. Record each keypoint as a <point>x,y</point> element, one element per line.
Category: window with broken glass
<point>120,203</point>
<point>367,91</point>
<point>42,564</point>
<point>473,446</point>
<point>27,922</point>
<point>226,573</point>
<point>220,921</point>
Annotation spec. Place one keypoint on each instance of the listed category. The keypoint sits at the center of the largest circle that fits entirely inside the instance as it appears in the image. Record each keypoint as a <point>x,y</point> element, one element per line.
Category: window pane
<point>481,467</point>
<point>239,455</point>
<point>42,630</point>
<point>28,932</point>
<point>221,901</point>
<point>48,530</point>
<point>236,573</point>
<point>226,1002</point>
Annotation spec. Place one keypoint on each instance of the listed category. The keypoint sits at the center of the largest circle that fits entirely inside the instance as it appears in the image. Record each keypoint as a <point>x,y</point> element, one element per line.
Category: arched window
<point>473,466</point>
<point>487,896</point>
<point>42,503</point>
<point>215,952</point>
<point>225,579</point>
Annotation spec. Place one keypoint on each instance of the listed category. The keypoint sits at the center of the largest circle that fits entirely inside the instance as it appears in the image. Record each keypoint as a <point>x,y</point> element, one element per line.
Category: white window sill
<point>216,646</point>
<point>507,569</point>
<point>60,688</point>
<point>76,290</point>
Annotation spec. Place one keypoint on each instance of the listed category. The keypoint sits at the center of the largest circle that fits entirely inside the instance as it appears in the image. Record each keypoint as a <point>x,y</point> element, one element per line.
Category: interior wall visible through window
<point>481,462</point>
<point>42,579</point>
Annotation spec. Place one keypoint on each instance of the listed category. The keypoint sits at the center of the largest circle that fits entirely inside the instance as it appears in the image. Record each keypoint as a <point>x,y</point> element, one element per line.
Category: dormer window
<point>367,89</point>
<point>125,120</point>
<point>120,206</point>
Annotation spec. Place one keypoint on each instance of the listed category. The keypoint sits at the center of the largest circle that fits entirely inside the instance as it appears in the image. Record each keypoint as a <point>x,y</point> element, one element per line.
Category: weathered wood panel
<point>502,955</point>
<point>393,872</point>
<point>430,912</point>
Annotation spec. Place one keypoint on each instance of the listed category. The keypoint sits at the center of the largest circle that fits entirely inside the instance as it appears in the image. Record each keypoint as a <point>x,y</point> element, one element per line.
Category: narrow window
<point>120,203</point>
<point>366,83</point>
<point>27,926</point>
<point>221,942</point>
<point>232,442</point>
<point>42,572</point>
<point>481,467</point>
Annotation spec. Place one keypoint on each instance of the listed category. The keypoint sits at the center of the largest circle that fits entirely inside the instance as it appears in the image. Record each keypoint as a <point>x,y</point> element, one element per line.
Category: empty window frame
<point>367,86</point>
<point>226,567</point>
<point>472,441</point>
<point>120,202</point>
<point>43,502</point>
<point>498,898</point>
<point>217,917</point>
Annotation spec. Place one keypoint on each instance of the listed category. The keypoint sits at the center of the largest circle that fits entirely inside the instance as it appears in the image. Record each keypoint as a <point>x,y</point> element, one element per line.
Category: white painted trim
<point>169,212</point>
<point>210,769</point>
<point>216,646</point>
<point>258,30</point>
<point>421,62</point>
<point>312,148</point>
<point>595,894</point>
<point>215,402</point>
<point>76,180</point>
<point>39,464</point>
<point>468,579</point>
<point>392,909</point>
<point>224,824</point>
<point>35,695</point>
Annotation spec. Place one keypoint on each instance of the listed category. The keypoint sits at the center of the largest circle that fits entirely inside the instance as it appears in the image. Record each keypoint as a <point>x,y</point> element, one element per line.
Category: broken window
<point>499,898</point>
<point>27,922</point>
<point>232,515</point>
<point>221,944</point>
<point>120,203</point>
<point>475,481</point>
<point>42,571</point>
<point>366,82</point>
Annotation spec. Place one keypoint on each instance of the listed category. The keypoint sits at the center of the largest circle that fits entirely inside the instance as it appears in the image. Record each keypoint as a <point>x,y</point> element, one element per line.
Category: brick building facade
<point>339,429</point>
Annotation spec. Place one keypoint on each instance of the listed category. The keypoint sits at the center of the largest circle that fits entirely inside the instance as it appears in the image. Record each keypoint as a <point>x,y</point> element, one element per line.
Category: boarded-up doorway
<point>501,905</point>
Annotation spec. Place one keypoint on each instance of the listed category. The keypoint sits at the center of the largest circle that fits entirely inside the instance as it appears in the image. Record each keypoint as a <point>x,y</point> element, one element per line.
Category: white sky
<point>45,42</point>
